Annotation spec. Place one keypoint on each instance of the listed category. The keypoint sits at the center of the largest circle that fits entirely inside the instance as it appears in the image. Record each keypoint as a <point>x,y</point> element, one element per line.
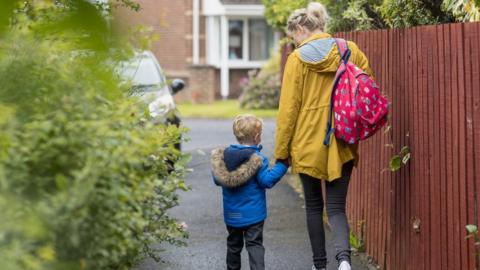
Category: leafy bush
<point>84,177</point>
<point>377,14</point>
<point>360,15</point>
<point>97,181</point>
<point>262,90</point>
<point>344,15</point>
<point>406,13</point>
<point>463,10</point>
<point>278,11</point>
<point>354,15</point>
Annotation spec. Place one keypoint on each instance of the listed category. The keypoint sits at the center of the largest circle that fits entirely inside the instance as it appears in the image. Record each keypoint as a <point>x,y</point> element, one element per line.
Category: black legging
<point>336,200</point>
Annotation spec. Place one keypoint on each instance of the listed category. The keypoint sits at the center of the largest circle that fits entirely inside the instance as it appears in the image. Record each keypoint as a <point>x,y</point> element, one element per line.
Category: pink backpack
<point>358,106</point>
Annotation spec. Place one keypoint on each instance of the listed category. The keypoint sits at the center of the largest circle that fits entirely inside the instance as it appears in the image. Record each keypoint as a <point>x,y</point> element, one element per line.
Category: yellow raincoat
<point>304,109</point>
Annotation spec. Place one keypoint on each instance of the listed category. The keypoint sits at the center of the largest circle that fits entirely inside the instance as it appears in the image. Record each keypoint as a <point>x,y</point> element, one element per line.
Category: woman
<point>303,114</point>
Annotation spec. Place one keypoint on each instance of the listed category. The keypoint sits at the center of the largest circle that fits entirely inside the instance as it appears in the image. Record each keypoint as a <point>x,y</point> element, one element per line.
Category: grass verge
<point>223,109</point>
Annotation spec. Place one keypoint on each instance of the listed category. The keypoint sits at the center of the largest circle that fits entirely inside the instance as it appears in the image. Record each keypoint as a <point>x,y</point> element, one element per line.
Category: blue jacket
<point>243,173</point>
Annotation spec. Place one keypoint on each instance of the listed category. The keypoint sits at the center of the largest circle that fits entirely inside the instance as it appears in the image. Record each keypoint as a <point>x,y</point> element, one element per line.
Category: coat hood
<point>319,53</point>
<point>240,175</point>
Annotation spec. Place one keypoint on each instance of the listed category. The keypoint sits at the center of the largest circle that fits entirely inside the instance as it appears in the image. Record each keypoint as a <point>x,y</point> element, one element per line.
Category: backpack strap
<point>344,52</point>
<point>343,49</point>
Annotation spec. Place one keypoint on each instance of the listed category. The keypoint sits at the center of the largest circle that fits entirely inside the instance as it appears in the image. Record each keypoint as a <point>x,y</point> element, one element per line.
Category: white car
<point>148,82</point>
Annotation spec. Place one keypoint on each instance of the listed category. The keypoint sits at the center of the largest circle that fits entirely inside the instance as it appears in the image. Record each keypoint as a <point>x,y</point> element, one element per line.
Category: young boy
<point>242,172</point>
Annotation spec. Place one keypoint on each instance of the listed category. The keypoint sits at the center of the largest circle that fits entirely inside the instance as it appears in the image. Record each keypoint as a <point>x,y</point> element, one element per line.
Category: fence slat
<point>442,166</point>
<point>411,129</point>
<point>462,175</point>
<point>455,138</point>
<point>475,57</point>
<point>385,191</point>
<point>435,146</point>
<point>448,145</point>
<point>425,187</point>
<point>400,142</point>
<point>414,146</point>
<point>374,43</point>
<point>434,244</point>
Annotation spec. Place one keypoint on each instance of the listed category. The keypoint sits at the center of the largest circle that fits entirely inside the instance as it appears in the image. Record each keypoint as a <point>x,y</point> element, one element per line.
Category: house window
<point>249,39</point>
<point>235,39</point>
<point>261,39</point>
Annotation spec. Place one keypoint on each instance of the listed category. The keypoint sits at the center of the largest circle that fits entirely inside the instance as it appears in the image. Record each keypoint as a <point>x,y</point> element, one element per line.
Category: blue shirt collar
<point>241,146</point>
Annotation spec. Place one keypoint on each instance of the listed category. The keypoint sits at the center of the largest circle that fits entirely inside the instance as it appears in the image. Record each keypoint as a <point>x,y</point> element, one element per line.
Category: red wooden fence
<point>432,77</point>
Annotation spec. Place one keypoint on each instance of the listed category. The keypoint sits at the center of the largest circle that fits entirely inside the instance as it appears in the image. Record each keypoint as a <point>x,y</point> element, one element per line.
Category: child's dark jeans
<point>252,236</point>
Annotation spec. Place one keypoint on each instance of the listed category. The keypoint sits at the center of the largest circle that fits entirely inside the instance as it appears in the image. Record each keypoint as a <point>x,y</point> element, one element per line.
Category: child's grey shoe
<point>314,268</point>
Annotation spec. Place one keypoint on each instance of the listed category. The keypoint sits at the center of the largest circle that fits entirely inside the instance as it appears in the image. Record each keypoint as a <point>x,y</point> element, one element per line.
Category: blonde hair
<point>314,17</point>
<point>246,126</point>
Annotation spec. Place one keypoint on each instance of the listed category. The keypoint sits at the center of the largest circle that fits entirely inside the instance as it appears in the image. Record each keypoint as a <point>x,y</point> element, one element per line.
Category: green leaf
<point>405,150</point>
<point>61,182</point>
<point>184,160</point>
<point>395,163</point>
<point>471,229</point>
<point>6,12</point>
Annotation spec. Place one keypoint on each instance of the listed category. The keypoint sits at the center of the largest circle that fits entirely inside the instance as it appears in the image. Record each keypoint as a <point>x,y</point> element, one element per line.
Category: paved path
<point>286,240</point>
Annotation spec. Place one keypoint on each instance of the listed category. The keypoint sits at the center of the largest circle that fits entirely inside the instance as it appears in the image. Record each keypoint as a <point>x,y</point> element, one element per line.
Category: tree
<point>360,15</point>
<point>278,11</point>
<point>353,15</point>
<point>463,10</point>
<point>408,13</point>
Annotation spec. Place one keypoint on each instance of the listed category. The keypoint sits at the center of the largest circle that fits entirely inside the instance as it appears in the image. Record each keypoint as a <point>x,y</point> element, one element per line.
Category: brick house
<point>211,44</point>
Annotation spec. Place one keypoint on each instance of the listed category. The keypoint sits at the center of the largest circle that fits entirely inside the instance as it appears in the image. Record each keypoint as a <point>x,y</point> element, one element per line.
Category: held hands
<point>286,161</point>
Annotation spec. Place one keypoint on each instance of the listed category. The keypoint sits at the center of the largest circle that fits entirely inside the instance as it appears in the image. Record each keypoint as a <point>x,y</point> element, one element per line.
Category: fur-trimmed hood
<point>237,177</point>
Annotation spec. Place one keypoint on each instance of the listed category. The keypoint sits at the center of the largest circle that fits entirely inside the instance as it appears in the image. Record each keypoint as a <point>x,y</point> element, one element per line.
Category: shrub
<point>262,90</point>
<point>406,13</point>
<point>96,183</point>
<point>84,177</point>
<point>278,11</point>
<point>355,15</point>
<point>463,10</point>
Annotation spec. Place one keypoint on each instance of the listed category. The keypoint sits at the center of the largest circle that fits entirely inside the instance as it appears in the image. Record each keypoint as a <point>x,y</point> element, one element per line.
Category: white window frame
<point>213,41</point>
<point>244,40</point>
<point>245,62</point>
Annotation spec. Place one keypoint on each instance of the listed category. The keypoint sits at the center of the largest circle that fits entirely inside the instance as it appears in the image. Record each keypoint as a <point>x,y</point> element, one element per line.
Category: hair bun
<point>318,10</point>
<point>314,18</point>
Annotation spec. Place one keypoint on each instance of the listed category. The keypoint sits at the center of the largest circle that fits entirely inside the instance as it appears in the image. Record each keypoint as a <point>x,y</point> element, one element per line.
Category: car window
<point>143,71</point>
